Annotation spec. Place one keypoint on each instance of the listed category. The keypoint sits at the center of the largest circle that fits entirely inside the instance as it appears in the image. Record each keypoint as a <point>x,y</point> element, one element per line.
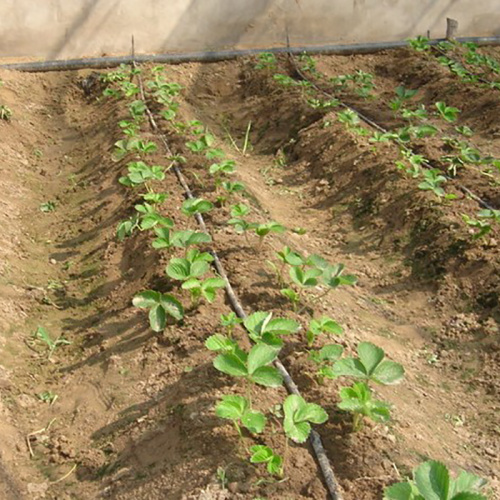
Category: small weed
<point>48,206</point>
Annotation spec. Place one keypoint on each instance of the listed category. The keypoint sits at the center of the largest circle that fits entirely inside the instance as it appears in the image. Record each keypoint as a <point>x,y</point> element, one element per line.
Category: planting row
<point>409,127</point>
<point>248,353</point>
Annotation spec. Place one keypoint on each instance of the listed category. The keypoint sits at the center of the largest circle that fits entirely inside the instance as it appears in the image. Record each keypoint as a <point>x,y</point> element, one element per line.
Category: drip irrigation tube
<point>378,127</point>
<point>314,438</point>
<point>222,55</point>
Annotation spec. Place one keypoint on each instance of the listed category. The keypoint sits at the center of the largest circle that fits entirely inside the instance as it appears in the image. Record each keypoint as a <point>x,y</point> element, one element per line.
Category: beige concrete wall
<point>74,28</point>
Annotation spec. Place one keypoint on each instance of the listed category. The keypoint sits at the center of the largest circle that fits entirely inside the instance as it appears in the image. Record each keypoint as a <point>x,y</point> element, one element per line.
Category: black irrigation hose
<point>378,127</point>
<point>314,438</point>
<point>221,55</point>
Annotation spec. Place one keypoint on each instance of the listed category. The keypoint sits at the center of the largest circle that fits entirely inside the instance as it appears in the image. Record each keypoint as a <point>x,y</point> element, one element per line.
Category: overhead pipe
<point>222,55</point>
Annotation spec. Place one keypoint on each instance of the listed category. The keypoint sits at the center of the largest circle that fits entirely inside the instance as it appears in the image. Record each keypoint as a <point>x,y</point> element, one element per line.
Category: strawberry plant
<point>254,366</point>
<point>262,230</point>
<point>358,400</point>
<point>181,239</point>
<point>160,305</point>
<point>324,358</point>
<point>206,289</point>
<point>238,410</point>
<point>154,198</point>
<point>139,173</point>
<point>432,481</point>
<point>402,95</point>
<point>320,326</point>
<point>266,60</point>
<point>432,182</point>
<point>262,454</point>
<point>218,170</point>
<point>183,269</point>
<point>262,327</point>
<point>420,43</point>
<point>127,227</point>
<point>370,366</point>
<point>150,218</point>
<point>299,415</point>
<point>137,109</point>
<point>448,113</point>
<point>193,206</point>
<point>229,321</point>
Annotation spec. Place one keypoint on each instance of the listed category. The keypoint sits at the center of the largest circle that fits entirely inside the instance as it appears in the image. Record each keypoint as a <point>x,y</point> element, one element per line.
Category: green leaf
<point>267,376</point>
<point>469,496</point>
<point>157,318</point>
<point>388,373</point>
<point>349,367</point>
<point>232,407</point>
<point>370,355</point>
<point>331,352</point>
<point>297,415</point>
<point>254,421</point>
<point>466,482</point>
<point>399,491</point>
<point>260,355</point>
<point>146,299</point>
<point>230,364</point>
<point>312,413</point>
<point>260,454</point>
<point>172,306</point>
<point>220,343</point>
<point>178,269</point>
<point>433,480</point>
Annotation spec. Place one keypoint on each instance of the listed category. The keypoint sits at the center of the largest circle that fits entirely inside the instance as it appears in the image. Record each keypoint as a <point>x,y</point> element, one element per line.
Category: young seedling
<point>5,113</point>
<point>299,415</point>
<point>201,144</point>
<point>137,109</point>
<point>320,326</point>
<point>402,95</point>
<point>254,367</point>
<point>183,269</point>
<point>464,130</point>
<point>218,170</point>
<point>262,230</point>
<point>484,222</point>
<point>370,366</point>
<point>206,289</point>
<point>48,206</point>
<point>193,206</point>
<point>150,218</point>
<point>239,411</point>
<point>43,335</point>
<point>140,173</point>
<point>432,481</point>
<point>448,113</point>
<point>262,454</point>
<point>181,239</point>
<point>154,198</point>
<point>160,305</point>
<point>432,182</point>
<point>229,321</point>
<point>358,400</point>
<point>262,327</point>
<point>48,397</point>
<point>333,275</point>
<point>266,60</point>
<point>420,43</point>
<point>127,227</point>
<point>324,358</point>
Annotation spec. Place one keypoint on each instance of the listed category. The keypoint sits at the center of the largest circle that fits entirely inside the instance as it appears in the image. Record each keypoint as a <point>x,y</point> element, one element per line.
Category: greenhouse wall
<point>54,29</point>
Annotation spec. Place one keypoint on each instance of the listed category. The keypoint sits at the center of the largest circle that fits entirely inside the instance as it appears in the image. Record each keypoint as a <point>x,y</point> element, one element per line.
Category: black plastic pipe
<point>222,55</point>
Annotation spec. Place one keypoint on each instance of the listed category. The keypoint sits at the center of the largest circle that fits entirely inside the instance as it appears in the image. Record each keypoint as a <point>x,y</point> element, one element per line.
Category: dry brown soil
<point>134,415</point>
